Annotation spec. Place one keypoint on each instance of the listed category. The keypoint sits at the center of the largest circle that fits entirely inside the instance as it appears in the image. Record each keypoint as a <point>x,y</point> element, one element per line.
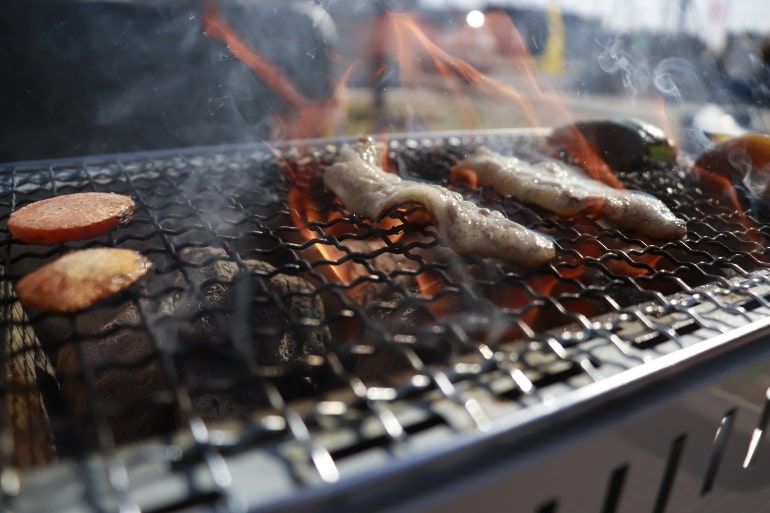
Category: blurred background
<point>695,67</point>
<point>91,77</point>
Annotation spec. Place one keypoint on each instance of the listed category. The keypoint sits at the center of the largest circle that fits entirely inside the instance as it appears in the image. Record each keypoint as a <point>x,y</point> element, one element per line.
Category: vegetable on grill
<point>624,144</point>
<point>70,217</point>
<point>79,278</point>
<point>743,160</point>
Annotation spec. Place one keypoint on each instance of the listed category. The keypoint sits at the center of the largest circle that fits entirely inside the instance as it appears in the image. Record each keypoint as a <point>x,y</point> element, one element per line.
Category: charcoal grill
<point>636,380</point>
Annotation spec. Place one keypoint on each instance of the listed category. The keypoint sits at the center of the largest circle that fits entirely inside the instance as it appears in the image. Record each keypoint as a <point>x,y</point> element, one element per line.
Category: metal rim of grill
<point>460,379</point>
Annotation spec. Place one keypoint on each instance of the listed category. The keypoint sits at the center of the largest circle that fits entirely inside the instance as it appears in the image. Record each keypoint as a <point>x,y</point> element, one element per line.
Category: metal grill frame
<point>484,452</point>
<point>669,435</point>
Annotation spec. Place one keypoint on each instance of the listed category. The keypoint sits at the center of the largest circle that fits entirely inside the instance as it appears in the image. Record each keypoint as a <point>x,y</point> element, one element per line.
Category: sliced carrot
<point>70,217</point>
<point>79,278</point>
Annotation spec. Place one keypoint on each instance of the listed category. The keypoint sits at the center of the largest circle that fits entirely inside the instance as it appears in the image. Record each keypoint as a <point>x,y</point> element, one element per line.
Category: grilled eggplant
<point>626,145</point>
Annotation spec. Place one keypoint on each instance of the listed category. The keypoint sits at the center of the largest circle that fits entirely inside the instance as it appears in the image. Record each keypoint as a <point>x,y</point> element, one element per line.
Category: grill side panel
<point>652,452</point>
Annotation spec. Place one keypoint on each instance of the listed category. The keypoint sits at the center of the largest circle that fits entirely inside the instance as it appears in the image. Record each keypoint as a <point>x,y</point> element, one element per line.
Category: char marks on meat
<point>566,190</point>
<point>366,189</point>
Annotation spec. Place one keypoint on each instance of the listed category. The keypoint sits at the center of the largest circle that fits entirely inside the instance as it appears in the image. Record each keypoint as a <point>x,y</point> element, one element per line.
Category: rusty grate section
<point>274,320</point>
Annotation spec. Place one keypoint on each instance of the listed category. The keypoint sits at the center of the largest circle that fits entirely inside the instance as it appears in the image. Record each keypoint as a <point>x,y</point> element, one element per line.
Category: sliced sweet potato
<point>70,217</point>
<point>741,160</point>
<point>78,279</point>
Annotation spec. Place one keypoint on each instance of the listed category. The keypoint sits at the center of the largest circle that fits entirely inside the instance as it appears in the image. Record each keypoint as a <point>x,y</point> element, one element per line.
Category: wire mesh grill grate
<point>327,339</point>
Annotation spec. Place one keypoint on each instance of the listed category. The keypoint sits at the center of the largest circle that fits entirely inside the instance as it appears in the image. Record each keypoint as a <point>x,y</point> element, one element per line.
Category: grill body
<point>654,398</point>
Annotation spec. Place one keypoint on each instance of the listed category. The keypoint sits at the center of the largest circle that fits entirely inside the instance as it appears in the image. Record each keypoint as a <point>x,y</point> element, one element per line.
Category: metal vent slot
<point>752,304</point>
<point>758,435</point>
<point>548,507</point>
<point>384,441</point>
<point>718,450</point>
<point>561,374</point>
<point>652,339</point>
<point>615,489</point>
<point>669,473</point>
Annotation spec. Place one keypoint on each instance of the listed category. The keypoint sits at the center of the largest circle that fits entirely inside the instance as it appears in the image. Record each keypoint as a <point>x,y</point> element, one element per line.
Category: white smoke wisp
<point>615,59</point>
<point>680,80</point>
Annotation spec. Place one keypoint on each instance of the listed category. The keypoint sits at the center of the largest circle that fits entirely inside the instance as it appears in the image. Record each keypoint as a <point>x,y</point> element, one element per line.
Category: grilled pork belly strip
<point>566,190</point>
<point>366,189</point>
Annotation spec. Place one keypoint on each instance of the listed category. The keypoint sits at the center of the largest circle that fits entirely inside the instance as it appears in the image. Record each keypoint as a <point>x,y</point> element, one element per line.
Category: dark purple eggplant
<point>626,145</point>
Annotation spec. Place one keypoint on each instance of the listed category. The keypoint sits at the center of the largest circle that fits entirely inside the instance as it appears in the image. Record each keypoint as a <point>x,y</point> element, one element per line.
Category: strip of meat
<point>366,189</point>
<point>566,190</point>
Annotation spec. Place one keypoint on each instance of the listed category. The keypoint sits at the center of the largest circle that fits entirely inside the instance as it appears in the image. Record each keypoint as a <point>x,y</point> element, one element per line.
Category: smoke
<point>615,59</point>
<point>104,77</point>
<point>680,80</point>
<point>665,67</point>
<point>676,78</point>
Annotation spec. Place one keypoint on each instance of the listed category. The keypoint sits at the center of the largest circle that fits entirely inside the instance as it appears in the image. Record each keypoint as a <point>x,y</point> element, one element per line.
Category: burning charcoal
<point>742,162</point>
<point>124,368</point>
<point>283,340</point>
<point>412,330</point>
<point>114,370</point>
<point>624,144</point>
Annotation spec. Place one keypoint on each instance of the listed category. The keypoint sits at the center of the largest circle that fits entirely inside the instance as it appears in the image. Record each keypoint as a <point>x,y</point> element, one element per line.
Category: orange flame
<point>303,214</point>
<point>720,187</point>
<point>318,223</point>
<point>430,285</point>
<point>587,158</point>
<point>530,297</point>
<point>406,27</point>
<point>448,66</point>
<point>306,213</point>
<point>309,118</point>
<point>334,238</point>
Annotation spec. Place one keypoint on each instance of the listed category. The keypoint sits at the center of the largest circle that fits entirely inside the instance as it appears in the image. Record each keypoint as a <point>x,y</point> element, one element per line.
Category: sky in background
<point>708,18</point>
<point>736,14</point>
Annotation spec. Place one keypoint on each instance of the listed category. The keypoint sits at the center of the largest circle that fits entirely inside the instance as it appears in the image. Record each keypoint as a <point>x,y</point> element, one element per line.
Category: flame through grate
<point>321,335</point>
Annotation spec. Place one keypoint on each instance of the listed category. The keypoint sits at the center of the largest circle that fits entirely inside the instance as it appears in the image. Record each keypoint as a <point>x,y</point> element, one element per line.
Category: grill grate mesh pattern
<point>333,336</point>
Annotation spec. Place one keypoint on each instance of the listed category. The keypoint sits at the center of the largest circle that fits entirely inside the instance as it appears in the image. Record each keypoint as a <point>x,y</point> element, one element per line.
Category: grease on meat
<point>566,190</point>
<point>366,189</point>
